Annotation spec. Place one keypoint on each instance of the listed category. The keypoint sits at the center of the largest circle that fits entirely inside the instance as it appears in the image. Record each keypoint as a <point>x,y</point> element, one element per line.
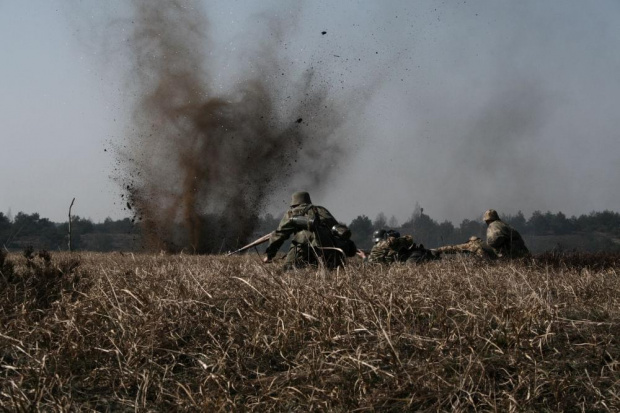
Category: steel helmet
<point>490,216</point>
<point>379,235</point>
<point>299,198</point>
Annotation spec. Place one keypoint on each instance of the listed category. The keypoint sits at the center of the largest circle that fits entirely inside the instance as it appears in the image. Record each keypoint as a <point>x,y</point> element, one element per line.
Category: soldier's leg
<point>422,255</point>
<point>299,256</point>
<point>333,259</point>
<point>289,260</point>
<point>307,255</point>
<point>295,258</point>
<point>416,257</point>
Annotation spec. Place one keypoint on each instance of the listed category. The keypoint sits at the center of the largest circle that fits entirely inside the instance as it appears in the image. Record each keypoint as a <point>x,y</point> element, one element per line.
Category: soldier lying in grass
<point>475,246</point>
<point>391,247</point>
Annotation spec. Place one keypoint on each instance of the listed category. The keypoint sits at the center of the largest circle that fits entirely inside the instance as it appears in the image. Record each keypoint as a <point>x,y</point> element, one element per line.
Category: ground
<point>158,332</point>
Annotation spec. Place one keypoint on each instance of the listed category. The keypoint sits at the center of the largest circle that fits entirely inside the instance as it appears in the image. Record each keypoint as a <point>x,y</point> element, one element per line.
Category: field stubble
<point>125,332</point>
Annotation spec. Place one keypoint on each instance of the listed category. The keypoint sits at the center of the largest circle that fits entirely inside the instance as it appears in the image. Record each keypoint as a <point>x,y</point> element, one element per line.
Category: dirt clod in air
<point>203,160</point>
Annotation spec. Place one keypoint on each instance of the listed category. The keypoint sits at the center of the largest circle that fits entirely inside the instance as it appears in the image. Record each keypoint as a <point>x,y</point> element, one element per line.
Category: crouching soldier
<point>475,247</point>
<point>505,240</point>
<point>390,247</point>
<point>317,236</point>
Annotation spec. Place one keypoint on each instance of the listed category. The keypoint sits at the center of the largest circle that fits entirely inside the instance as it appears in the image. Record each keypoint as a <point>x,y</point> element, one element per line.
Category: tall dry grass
<point>176,332</point>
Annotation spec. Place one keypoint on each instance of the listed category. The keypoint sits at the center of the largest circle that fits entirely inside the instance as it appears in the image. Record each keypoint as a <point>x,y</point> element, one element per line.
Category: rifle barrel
<point>259,241</point>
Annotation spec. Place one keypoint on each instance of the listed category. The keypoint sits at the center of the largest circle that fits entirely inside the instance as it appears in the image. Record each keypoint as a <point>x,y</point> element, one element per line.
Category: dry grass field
<point>125,332</point>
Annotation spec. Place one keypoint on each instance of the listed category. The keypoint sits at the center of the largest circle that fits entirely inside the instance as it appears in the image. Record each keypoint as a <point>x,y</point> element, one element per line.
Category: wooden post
<point>70,206</point>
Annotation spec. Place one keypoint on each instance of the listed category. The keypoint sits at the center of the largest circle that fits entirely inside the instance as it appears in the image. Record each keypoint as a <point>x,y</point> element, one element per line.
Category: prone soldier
<point>391,247</point>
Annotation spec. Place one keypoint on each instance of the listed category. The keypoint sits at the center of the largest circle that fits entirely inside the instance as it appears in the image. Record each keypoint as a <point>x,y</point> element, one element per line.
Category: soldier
<point>504,239</point>
<point>474,246</point>
<point>390,247</point>
<point>379,235</point>
<point>317,236</point>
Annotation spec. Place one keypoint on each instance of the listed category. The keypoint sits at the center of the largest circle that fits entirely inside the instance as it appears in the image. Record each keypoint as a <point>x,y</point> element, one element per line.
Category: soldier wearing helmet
<point>505,240</point>
<point>379,235</point>
<point>475,246</point>
<point>317,236</point>
<point>391,247</point>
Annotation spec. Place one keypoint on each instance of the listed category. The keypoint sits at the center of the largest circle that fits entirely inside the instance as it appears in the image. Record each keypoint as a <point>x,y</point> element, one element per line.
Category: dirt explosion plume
<point>200,165</point>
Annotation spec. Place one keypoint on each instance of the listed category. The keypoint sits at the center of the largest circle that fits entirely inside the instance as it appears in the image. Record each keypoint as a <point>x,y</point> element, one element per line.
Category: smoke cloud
<point>201,162</point>
<point>459,107</point>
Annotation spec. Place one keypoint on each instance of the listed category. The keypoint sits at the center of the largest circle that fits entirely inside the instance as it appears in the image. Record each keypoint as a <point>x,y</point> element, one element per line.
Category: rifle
<point>259,241</point>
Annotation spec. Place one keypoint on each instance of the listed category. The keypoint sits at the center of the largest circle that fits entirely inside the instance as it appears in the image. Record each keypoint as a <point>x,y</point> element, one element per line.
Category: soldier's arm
<point>447,249</point>
<point>495,238</point>
<point>285,229</point>
<point>453,249</point>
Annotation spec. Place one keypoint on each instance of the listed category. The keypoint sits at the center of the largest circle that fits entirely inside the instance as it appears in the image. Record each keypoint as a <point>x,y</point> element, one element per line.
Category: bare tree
<point>70,206</point>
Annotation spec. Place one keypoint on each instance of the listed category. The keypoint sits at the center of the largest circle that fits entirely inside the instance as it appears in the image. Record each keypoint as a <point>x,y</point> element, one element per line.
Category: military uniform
<point>392,249</point>
<point>399,249</point>
<point>313,239</point>
<point>505,240</point>
<point>474,246</point>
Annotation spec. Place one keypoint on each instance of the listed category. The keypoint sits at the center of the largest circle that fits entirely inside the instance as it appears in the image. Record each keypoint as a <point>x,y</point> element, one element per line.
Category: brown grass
<point>177,332</point>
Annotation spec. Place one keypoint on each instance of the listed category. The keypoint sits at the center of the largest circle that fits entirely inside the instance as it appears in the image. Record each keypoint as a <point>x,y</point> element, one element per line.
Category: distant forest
<point>30,230</point>
<point>596,231</point>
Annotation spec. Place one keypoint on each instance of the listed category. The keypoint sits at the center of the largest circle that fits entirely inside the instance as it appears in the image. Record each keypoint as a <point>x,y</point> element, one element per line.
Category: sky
<point>456,106</point>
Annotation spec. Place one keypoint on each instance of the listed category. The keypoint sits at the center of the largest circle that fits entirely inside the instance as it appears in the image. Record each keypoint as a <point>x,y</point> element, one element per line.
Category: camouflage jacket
<point>392,250</point>
<point>477,247</point>
<point>505,240</point>
<point>319,237</point>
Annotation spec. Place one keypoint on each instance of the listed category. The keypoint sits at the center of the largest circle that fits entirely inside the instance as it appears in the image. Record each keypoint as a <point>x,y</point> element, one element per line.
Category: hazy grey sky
<point>474,105</point>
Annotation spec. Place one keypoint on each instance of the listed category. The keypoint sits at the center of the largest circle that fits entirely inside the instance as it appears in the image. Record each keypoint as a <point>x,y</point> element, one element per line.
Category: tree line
<point>548,224</point>
<point>27,230</point>
<point>125,234</point>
